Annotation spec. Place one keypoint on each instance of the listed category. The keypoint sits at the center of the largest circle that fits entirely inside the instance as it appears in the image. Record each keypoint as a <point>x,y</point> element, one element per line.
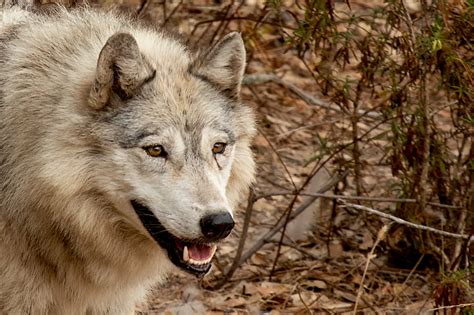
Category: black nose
<point>217,226</point>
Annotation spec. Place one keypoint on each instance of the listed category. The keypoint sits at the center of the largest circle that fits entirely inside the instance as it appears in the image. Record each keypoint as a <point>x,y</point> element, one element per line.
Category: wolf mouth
<point>193,256</point>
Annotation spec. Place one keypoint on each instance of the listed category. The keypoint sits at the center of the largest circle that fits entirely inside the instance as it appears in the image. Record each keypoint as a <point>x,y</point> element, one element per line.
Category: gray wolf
<point>122,155</point>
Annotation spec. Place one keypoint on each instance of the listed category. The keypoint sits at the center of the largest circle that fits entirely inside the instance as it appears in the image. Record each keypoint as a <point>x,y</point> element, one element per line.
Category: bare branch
<point>401,221</point>
<point>380,236</point>
<point>361,198</point>
<point>243,237</point>
<point>267,237</point>
<point>450,307</point>
<point>305,96</point>
<point>142,8</point>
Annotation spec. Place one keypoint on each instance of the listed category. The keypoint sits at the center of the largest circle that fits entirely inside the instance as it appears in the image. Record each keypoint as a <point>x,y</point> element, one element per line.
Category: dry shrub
<point>405,71</point>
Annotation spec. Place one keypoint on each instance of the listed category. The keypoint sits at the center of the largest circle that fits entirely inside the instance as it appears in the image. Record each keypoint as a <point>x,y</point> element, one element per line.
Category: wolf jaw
<point>193,256</point>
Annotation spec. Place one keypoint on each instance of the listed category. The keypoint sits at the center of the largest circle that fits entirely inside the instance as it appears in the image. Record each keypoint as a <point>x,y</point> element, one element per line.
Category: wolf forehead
<point>178,98</point>
<point>175,99</point>
<point>135,80</point>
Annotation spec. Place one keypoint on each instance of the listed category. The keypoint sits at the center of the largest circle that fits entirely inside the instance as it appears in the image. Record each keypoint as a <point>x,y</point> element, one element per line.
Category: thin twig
<point>462,224</point>
<point>437,250</point>
<point>380,236</point>
<point>236,11</point>
<point>298,248</point>
<point>280,159</point>
<point>356,143</point>
<point>450,307</point>
<point>268,236</point>
<point>243,238</point>
<point>425,163</point>
<point>412,271</point>
<point>361,198</point>
<point>234,18</point>
<point>401,221</point>
<point>264,78</point>
<point>280,242</point>
<point>305,96</point>
<point>172,13</point>
<point>291,131</point>
<point>302,300</point>
<point>142,8</point>
<point>222,22</point>
<point>409,23</point>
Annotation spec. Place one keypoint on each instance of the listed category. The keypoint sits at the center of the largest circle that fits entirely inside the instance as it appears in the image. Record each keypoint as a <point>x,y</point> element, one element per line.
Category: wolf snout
<point>217,226</point>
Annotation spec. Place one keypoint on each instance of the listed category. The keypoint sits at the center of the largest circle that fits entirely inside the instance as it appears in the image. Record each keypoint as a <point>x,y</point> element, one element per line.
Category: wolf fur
<point>81,94</point>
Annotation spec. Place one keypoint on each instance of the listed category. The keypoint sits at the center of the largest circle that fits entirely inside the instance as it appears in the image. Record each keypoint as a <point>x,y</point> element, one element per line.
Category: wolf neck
<point>87,261</point>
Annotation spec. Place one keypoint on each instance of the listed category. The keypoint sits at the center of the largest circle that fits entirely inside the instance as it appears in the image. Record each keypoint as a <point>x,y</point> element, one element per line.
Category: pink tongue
<point>199,252</point>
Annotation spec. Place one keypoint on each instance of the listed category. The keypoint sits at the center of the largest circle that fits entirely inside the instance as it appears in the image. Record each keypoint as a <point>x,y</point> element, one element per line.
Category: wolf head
<point>172,142</point>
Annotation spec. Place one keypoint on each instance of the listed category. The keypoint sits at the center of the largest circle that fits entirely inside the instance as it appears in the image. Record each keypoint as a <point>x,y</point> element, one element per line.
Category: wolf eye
<point>219,148</point>
<point>155,151</point>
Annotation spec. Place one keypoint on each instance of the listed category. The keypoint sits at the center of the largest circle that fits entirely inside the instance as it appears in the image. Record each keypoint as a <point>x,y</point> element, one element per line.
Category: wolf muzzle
<point>191,255</point>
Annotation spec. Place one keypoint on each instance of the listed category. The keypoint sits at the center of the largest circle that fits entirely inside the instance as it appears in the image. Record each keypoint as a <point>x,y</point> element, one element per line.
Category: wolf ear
<point>224,64</point>
<point>121,69</point>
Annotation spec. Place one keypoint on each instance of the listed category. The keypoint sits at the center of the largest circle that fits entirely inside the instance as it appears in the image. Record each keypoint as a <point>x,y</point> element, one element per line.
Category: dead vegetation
<point>362,106</point>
